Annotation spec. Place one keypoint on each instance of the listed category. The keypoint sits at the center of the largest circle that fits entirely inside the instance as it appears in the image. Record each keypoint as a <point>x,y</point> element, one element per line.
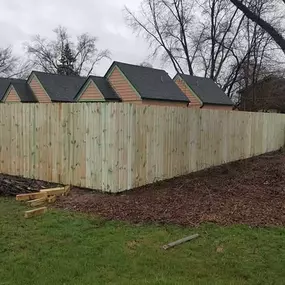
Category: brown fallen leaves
<point>248,192</point>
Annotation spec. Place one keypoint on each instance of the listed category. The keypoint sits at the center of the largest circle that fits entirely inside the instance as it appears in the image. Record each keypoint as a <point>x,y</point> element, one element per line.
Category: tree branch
<point>278,38</point>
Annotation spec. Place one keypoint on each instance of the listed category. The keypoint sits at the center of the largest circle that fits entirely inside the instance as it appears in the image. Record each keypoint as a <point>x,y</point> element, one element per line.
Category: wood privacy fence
<point>114,147</point>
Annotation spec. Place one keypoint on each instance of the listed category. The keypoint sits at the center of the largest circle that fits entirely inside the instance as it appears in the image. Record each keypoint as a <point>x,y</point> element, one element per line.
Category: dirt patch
<point>249,192</point>
<point>11,185</point>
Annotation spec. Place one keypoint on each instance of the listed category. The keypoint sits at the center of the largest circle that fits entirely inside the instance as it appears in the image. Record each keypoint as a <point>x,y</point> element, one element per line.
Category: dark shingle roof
<point>150,83</point>
<point>4,84</point>
<point>104,87</point>
<point>24,91</point>
<point>207,90</point>
<point>60,88</point>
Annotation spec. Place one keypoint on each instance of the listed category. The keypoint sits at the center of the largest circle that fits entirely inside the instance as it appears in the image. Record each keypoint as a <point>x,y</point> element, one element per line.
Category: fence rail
<point>115,147</point>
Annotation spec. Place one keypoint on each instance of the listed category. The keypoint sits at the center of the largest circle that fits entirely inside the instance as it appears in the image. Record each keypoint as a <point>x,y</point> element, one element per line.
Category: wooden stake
<point>180,241</point>
<point>37,202</point>
<point>31,196</point>
<point>36,212</point>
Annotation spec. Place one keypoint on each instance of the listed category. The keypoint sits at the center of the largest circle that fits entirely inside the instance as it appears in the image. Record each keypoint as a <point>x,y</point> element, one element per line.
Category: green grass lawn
<point>68,248</point>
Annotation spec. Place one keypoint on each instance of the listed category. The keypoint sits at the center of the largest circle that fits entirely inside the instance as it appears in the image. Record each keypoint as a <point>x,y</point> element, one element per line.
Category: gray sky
<point>21,19</point>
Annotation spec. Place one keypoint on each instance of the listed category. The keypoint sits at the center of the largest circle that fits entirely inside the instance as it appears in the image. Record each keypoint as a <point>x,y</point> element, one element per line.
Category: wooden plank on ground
<point>54,191</point>
<point>37,202</point>
<point>36,212</point>
<point>31,196</point>
<point>180,241</point>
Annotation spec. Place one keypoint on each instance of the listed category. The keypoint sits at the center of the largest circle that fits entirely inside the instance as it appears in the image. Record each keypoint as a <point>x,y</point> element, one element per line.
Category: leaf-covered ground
<point>250,192</point>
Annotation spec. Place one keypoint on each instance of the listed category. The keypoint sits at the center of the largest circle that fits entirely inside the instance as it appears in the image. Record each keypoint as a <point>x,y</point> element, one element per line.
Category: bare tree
<point>12,66</point>
<point>46,54</point>
<point>192,36</point>
<point>212,38</point>
<point>146,64</point>
<point>252,58</point>
<point>166,25</point>
<point>7,61</point>
<point>222,27</point>
<point>262,59</point>
<point>250,12</point>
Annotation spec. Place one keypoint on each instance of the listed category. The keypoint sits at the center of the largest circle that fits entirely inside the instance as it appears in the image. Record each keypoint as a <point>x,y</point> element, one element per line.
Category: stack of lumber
<point>40,198</point>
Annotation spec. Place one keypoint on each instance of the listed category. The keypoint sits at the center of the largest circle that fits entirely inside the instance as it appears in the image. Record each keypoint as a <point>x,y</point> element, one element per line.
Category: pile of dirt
<point>248,192</point>
<point>11,185</point>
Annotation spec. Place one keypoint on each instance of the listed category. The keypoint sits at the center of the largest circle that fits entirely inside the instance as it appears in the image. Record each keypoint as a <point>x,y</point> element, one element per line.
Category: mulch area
<point>11,185</point>
<point>248,192</point>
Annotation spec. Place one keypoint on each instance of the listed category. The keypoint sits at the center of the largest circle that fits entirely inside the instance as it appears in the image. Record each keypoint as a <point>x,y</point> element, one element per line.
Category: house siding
<point>194,101</point>
<point>91,93</point>
<point>38,90</point>
<point>122,87</point>
<point>12,96</point>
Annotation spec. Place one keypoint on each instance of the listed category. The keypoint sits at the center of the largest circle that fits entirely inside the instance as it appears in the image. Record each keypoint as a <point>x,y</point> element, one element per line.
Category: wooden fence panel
<point>115,147</point>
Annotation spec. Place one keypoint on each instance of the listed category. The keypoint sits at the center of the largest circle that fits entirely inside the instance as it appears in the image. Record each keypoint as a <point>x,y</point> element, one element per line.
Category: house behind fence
<point>115,147</point>
<point>126,83</point>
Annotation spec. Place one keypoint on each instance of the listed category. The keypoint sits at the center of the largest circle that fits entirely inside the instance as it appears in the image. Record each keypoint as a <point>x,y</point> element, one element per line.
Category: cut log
<point>180,241</point>
<point>51,199</point>
<point>31,196</point>
<point>37,202</point>
<point>54,191</point>
<point>36,212</point>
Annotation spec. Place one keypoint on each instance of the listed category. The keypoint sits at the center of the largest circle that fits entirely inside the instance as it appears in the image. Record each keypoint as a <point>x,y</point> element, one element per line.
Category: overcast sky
<point>21,19</point>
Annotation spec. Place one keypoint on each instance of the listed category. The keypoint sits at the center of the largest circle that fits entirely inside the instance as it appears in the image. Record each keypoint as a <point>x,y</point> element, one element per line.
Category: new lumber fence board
<point>118,146</point>
<point>35,212</point>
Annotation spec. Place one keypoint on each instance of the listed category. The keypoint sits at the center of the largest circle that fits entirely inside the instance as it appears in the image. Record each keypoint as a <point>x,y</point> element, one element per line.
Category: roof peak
<point>207,90</point>
<point>150,83</point>
<point>96,76</point>
<point>194,76</point>
<point>137,65</point>
<point>56,74</point>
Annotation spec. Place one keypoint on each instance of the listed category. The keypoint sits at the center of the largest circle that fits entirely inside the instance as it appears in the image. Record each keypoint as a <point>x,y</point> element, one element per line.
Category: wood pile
<point>41,198</point>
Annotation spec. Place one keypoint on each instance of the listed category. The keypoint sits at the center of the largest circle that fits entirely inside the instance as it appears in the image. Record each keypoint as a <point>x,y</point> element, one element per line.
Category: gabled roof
<point>104,87</point>
<point>207,90</point>
<point>150,83</point>
<point>24,91</point>
<point>4,84</point>
<point>60,88</point>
